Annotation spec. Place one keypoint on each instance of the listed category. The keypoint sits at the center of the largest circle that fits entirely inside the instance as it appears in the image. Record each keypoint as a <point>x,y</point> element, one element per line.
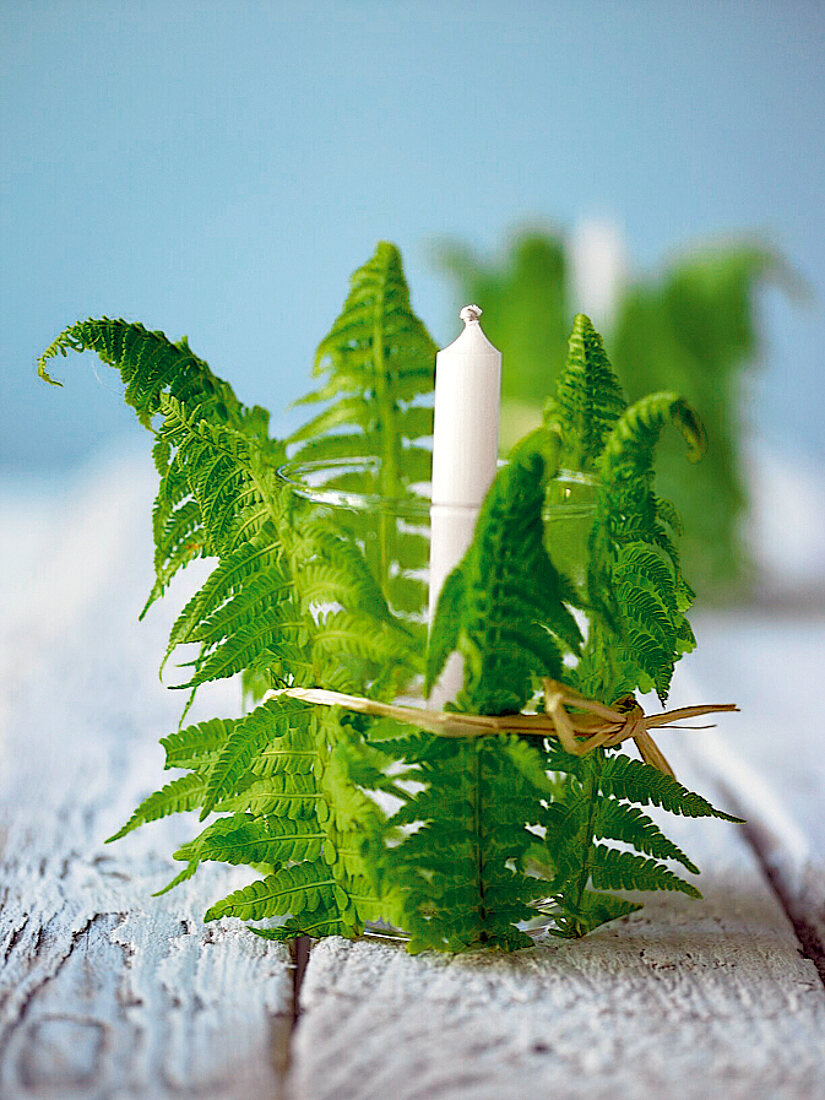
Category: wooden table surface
<point>106,992</point>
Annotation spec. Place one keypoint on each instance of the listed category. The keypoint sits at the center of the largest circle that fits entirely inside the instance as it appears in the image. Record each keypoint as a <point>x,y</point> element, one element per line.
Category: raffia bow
<point>580,724</point>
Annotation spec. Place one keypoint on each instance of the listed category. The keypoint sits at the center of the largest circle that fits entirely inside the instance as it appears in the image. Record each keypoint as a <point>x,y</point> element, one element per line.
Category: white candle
<point>599,269</point>
<point>465,450</point>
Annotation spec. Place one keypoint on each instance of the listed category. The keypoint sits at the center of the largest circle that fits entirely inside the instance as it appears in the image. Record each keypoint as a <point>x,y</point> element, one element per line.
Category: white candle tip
<point>470,313</point>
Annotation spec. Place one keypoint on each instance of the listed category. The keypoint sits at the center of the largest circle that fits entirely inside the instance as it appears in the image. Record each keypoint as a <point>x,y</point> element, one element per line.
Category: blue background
<point>218,170</point>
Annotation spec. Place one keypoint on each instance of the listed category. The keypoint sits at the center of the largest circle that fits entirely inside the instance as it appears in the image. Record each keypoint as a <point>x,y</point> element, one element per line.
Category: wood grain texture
<point>771,766</point>
<point>685,999</point>
<point>105,991</point>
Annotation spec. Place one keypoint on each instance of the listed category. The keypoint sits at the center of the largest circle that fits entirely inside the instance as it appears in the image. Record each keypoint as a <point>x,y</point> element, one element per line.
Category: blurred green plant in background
<point>691,327</point>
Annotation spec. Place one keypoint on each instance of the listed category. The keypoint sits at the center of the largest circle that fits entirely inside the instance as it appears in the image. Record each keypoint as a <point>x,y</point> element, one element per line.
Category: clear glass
<point>394,533</point>
<point>568,516</point>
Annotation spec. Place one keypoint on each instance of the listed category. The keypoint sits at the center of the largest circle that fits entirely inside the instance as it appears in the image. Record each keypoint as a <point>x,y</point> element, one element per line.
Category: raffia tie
<point>580,724</point>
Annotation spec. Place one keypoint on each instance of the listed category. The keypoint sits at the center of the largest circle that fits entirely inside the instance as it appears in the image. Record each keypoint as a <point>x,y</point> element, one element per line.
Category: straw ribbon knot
<point>579,723</point>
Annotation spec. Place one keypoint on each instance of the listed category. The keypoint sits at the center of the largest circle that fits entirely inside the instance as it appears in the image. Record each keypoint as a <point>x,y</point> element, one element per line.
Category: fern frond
<point>237,839</point>
<point>244,838</point>
<point>224,472</point>
<point>321,922</point>
<point>593,910</point>
<point>258,555</point>
<point>588,400</point>
<point>532,765</point>
<point>634,578</point>
<point>614,870</point>
<point>182,876</point>
<point>249,735</point>
<point>379,358</point>
<point>379,361</point>
<point>619,821</point>
<point>459,876</point>
<point>167,380</point>
<point>293,795</point>
<point>503,607</point>
<point>446,626</point>
<point>149,364</point>
<point>242,649</point>
<point>261,597</point>
<point>192,746</point>
<point>350,648</point>
<point>631,443</point>
<point>184,793</point>
<point>623,777</point>
<point>296,890</point>
<point>333,570</point>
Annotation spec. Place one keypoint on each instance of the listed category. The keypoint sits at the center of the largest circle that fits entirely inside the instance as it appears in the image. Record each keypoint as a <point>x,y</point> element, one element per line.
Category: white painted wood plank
<point>105,991</point>
<point>687,999</point>
<point>771,762</point>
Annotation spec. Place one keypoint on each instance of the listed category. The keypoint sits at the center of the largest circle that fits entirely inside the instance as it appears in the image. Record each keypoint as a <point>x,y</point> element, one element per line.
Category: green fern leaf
<point>447,625</point>
<point>321,922</point>
<point>263,597</point>
<point>244,838</point>
<point>511,625</point>
<point>237,839</point>
<point>182,876</point>
<point>379,361</point>
<point>532,764</point>
<point>623,777</point>
<point>618,821</point>
<point>249,736</point>
<point>589,399</point>
<point>333,570</point>
<point>299,889</point>
<point>150,365</point>
<point>193,746</point>
<point>167,380</point>
<point>634,580</point>
<point>594,910</point>
<point>350,648</point>
<point>226,580</point>
<point>291,795</point>
<point>181,794</point>
<point>615,870</point>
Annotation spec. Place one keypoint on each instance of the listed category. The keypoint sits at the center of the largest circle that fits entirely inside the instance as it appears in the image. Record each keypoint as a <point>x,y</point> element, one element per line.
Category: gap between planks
<point>343,976</point>
<point>686,999</point>
<point>283,1026</point>
<point>798,913</point>
<point>104,991</point>
<point>769,765</point>
<point>810,943</point>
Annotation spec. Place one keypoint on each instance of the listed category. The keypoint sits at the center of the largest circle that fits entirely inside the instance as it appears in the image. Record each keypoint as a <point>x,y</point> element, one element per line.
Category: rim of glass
<point>296,475</point>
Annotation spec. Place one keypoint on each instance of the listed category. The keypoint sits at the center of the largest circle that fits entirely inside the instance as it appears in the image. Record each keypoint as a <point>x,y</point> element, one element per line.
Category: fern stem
<point>478,824</point>
<point>590,793</point>
<point>388,473</point>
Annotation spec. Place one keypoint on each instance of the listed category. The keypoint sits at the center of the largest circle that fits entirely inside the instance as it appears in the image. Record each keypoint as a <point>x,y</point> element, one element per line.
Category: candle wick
<point>470,314</point>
